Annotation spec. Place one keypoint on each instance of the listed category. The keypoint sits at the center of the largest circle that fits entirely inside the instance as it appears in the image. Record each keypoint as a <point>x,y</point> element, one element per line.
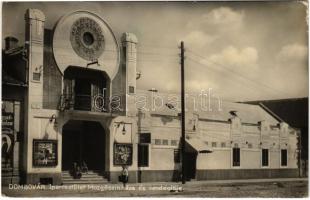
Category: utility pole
<point>182,113</point>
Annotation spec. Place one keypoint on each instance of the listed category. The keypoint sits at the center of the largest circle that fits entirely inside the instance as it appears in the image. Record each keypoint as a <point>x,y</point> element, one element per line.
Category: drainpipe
<point>299,152</point>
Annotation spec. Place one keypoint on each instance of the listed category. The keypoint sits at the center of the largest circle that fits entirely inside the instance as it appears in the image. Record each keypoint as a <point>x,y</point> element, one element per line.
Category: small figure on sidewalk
<point>124,176</point>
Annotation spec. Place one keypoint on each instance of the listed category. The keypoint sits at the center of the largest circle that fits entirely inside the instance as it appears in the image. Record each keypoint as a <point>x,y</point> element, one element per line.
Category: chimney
<point>11,43</point>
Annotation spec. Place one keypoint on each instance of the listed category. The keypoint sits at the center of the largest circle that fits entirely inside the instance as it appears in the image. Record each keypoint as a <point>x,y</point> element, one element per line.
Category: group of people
<point>82,168</point>
<point>79,169</point>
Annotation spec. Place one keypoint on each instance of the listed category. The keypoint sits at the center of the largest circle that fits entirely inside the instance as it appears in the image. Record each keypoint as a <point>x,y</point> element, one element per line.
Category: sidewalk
<point>221,182</point>
<point>212,188</point>
<point>232,181</point>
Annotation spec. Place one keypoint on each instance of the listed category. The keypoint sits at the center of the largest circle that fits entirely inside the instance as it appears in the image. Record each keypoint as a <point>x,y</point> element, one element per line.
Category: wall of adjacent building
<point>218,137</point>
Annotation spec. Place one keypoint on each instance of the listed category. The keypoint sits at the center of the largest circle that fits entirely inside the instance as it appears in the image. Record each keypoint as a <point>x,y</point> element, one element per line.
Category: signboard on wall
<point>7,128</point>
<point>44,153</point>
<point>122,154</point>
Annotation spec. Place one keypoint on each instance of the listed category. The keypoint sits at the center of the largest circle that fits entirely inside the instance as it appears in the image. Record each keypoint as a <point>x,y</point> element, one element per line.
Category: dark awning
<point>196,145</point>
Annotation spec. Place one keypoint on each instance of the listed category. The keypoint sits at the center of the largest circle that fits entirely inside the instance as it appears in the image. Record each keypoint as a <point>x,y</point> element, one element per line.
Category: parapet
<point>129,37</point>
<point>35,14</point>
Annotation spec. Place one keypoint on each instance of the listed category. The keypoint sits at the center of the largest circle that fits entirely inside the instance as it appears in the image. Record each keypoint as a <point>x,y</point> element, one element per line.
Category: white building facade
<point>83,105</point>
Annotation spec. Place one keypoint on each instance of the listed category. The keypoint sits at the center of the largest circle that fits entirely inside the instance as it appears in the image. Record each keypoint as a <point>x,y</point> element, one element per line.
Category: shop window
<point>265,157</point>
<point>157,141</point>
<point>143,155</point>
<point>177,156</point>
<point>236,157</point>
<point>165,142</point>
<point>145,138</point>
<point>283,157</point>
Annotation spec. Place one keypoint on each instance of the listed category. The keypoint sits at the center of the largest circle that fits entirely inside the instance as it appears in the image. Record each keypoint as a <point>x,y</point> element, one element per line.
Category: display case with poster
<point>44,153</point>
<point>122,154</point>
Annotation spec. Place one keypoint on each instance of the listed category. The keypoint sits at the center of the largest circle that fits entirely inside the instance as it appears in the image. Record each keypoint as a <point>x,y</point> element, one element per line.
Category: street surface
<point>220,188</point>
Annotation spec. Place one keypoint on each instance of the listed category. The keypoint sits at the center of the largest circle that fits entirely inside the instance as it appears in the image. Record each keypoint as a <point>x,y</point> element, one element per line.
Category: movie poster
<point>44,153</point>
<point>122,154</point>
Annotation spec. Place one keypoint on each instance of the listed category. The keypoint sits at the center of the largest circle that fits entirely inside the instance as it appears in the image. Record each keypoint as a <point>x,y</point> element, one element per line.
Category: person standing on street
<point>124,175</point>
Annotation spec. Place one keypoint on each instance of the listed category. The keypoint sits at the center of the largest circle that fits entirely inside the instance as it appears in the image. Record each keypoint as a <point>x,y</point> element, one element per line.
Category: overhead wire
<point>251,89</point>
<point>236,73</point>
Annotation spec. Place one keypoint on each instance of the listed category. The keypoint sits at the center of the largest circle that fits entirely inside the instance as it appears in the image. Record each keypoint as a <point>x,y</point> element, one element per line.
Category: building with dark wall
<point>14,87</point>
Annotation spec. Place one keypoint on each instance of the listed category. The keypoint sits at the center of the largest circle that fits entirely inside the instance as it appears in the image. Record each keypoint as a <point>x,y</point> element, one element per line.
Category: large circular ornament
<point>87,39</point>
<point>83,39</point>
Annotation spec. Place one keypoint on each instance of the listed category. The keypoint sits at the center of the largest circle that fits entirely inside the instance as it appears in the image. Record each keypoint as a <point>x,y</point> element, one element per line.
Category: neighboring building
<point>13,91</point>
<point>294,112</point>
<point>81,104</point>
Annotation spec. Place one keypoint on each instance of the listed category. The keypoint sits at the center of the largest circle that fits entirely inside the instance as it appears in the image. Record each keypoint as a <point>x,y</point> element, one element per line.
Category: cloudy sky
<point>242,50</point>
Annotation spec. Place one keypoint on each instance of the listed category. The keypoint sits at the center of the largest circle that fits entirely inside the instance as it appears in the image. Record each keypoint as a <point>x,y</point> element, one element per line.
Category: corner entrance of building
<point>83,141</point>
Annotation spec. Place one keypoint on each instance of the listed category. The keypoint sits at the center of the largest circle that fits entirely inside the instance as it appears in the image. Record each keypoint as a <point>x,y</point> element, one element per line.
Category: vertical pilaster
<point>129,41</point>
<point>265,134</point>
<point>34,96</point>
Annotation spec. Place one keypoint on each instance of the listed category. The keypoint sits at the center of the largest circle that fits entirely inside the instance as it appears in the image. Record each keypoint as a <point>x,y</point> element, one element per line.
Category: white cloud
<point>224,16</point>
<point>237,58</point>
<point>224,21</point>
<point>292,54</point>
<point>198,39</point>
<point>291,69</point>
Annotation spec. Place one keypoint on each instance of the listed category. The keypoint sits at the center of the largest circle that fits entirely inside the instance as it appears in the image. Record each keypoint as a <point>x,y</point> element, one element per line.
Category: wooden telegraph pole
<point>182,112</point>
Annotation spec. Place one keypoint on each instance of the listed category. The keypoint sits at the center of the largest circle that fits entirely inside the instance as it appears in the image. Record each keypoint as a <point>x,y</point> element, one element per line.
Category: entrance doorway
<point>190,165</point>
<point>83,141</point>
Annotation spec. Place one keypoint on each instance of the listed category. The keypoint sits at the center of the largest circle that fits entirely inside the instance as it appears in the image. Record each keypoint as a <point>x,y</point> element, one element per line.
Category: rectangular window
<point>213,144</point>
<point>157,141</point>
<point>265,157</point>
<point>174,142</point>
<point>223,144</point>
<point>236,157</point>
<point>131,89</point>
<point>165,142</point>
<point>283,157</point>
<point>250,145</point>
<point>36,76</point>
<point>177,156</point>
<point>145,138</point>
<point>143,155</point>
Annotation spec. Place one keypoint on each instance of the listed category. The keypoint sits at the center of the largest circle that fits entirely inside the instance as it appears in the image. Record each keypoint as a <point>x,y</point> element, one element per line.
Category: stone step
<point>83,178</point>
<point>77,181</point>
<point>89,172</point>
<point>92,177</point>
